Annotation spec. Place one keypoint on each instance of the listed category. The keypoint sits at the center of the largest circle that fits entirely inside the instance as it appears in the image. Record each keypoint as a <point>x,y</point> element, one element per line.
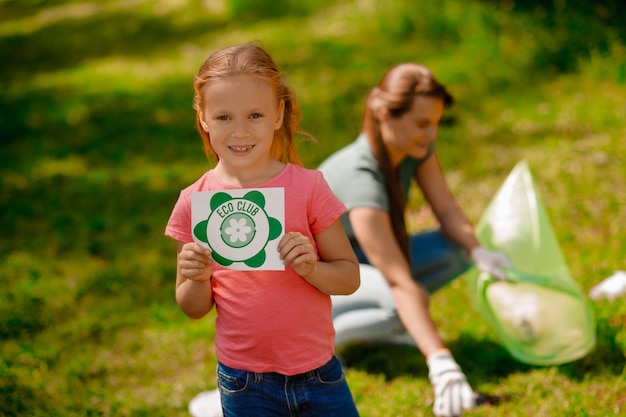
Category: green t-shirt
<point>355,177</point>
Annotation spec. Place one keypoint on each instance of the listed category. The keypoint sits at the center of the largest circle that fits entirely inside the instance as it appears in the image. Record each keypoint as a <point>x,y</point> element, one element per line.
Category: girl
<point>372,177</point>
<point>274,333</point>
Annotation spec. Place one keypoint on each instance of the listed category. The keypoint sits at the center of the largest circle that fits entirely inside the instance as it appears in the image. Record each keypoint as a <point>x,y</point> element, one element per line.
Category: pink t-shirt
<point>271,321</point>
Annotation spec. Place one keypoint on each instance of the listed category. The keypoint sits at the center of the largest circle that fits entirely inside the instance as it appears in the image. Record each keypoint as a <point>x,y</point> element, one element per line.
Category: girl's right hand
<point>195,262</point>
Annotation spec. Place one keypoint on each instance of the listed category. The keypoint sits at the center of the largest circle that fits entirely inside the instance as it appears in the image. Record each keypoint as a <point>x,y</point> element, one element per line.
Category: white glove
<point>453,394</point>
<point>490,261</point>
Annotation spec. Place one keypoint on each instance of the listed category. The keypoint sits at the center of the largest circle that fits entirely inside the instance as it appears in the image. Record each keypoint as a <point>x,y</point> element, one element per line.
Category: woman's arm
<point>337,272</point>
<point>372,228</point>
<point>193,279</point>
<point>454,223</point>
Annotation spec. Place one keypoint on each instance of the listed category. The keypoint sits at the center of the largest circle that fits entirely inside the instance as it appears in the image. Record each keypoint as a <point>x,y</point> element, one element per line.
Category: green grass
<point>97,138</point>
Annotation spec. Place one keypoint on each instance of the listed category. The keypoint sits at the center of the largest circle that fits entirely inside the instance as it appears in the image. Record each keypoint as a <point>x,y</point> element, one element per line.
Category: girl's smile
<point>241,148</point>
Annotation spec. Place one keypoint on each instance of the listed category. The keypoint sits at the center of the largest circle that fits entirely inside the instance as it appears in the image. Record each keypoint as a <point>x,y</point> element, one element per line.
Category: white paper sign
<point>241,227</point>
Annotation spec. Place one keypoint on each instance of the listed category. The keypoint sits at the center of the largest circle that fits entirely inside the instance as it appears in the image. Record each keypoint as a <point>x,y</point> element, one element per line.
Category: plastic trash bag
<point>540,313</point>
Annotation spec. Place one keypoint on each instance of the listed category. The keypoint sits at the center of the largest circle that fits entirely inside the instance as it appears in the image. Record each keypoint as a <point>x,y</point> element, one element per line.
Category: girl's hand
<point>297,250</point>
<point>195,262</point>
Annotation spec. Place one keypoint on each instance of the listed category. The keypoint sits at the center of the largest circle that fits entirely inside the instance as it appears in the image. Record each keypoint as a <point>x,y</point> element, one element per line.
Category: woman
<point>371,176</point>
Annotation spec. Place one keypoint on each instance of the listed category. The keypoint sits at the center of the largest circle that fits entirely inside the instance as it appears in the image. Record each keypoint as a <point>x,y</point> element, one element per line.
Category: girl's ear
<point>205,127</point>
<point>280,116</point>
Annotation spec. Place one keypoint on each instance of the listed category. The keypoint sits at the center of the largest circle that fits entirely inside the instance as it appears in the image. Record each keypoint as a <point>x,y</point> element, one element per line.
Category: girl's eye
<point>224,117</point>
<point>255,116</point>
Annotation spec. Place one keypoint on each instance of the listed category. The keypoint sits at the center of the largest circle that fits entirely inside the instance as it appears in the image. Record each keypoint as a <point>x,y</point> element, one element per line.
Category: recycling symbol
<point>238,229</point>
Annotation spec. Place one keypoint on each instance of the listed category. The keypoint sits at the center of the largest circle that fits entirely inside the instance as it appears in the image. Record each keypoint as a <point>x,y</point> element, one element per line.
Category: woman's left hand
<point>297,250</point>
<point>490,261</point>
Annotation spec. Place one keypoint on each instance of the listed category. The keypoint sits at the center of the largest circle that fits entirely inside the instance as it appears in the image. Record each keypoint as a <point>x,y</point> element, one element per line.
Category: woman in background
<point>372,176</point>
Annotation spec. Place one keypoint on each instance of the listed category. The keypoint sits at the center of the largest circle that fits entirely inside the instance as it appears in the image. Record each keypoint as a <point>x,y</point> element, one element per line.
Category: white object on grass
<point>610,288</point>
<point>206,404</point>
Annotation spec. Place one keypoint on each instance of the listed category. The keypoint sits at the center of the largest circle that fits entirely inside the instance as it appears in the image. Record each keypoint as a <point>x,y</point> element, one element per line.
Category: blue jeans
<point>320,392</point>
<point>370,313</point>
<point>435,260</point>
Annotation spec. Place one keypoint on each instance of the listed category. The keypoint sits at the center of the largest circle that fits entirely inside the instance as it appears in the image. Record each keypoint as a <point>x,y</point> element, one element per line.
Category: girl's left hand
<point>297,250</point>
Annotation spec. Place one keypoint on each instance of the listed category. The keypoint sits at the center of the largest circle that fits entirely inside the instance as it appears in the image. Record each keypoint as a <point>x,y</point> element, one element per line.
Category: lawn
<point>97,139</point>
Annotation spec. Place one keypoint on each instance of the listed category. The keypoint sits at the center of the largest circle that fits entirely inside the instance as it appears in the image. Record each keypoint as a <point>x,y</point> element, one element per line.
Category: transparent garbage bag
<point>539,312</point>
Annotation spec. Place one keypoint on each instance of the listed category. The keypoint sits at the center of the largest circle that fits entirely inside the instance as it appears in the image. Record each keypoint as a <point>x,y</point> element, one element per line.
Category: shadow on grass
<point>578,28</point>
<point>58,223</point>
<point>69,42</point>
<point>20,400</point>
<point>482,360</point>
<point>157,124</point>
<point>606,357</point>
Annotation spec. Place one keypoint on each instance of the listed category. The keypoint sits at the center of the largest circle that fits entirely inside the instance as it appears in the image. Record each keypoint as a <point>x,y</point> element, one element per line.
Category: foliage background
<point>97,139</point>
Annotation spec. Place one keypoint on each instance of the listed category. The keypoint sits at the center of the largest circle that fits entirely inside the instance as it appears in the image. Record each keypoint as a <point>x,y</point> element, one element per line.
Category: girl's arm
<point>454,223</point>
<point>337,271</point>
<point>193,279</point>
<point>372,228</point>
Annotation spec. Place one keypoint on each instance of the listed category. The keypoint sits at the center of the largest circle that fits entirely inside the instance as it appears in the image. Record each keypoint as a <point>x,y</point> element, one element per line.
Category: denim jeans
<point>370,313</point>
<point>435,260</point>
<point>320,392</point>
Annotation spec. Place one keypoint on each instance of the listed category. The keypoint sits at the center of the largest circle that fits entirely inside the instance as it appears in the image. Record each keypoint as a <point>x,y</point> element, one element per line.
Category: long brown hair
<point>252,60</point>
<point>395,93</point>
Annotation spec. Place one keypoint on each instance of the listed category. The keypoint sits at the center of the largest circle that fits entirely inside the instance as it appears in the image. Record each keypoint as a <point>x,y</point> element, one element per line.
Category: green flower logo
<point>238,229</point>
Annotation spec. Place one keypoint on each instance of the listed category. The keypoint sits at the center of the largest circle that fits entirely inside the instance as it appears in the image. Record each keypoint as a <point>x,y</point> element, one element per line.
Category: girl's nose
<point>241,130</point>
